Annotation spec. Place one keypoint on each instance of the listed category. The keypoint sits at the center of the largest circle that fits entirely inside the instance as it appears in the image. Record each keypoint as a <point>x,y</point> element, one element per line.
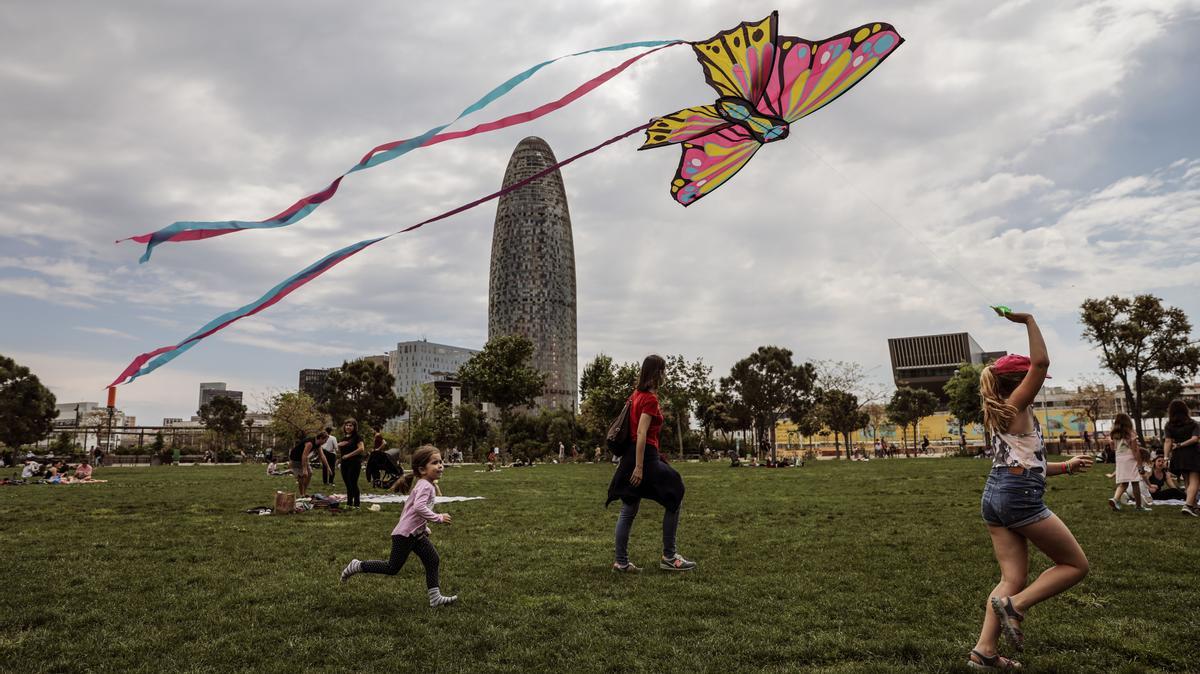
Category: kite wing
<point>710,160</point>
<point>808,76</point>
<point>739,62</point>
<point>683,125</point>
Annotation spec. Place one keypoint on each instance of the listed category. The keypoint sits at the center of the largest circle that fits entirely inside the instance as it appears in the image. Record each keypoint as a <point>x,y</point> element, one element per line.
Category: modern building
<point>532,282</point>
<point>383,360</point>
<point>217,389</point>
<point>424,362</point>
<point>72,414</point>
<point>929,361</point>
<point>171,421</point>
<point>312,382</point>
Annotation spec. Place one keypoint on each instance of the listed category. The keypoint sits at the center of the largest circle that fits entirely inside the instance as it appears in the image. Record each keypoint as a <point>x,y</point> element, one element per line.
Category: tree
<point>293,413</point>
<point>604,386</point>
<point>840,383</point>
<point>965,403</point>
<point>909,406</point>
<point>771,386</point>
<point>27,408</point>
<point>1158,393</point>
<point>364,391</point>
<point>877,419</point>
<point>685,384</point>
<point>501,375</point>
<point>224,416</point>
<point>1137,337</point>
<point>473,425</point>
<point>431,420</point>
<point>1094,399</point>
<point>842,414</point>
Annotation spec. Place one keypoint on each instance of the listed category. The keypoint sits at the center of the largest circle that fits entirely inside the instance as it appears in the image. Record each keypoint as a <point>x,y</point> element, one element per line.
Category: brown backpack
<point>619,437</point>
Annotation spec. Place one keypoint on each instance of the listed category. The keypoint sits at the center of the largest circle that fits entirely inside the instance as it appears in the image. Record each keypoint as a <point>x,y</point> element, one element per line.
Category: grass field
<point>833,567</point>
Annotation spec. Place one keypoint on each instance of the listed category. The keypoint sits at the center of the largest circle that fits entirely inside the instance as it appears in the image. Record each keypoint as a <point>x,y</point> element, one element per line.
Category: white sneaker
<point>1112,503</point>
<point>352,568</point>
<point>676,563</point>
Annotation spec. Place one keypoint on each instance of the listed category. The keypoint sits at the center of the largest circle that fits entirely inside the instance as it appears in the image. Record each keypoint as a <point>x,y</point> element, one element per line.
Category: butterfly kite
<point>765,83</point>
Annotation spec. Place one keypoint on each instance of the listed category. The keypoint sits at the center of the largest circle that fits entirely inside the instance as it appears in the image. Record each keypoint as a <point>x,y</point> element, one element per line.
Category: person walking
<point>1129,463</point>
<point>1182,449</point>
<point>330,450</point>
<point>351,449</point>
<point>1012,506</point>
<point>642,474</point>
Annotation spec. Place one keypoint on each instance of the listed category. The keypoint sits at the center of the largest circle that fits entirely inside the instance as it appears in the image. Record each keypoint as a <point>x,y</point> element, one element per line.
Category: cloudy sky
<point>1026,153</point>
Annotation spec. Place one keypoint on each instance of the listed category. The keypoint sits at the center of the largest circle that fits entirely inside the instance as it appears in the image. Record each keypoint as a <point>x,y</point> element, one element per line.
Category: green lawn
<point>834,567</point>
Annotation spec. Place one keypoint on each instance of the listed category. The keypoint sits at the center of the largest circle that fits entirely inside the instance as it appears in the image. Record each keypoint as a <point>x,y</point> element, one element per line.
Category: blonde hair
<point>994,390</point>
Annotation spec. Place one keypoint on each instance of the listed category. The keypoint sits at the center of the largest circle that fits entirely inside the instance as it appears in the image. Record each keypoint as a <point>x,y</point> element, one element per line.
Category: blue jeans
<point>629,510</point>
<point>1013,501</point>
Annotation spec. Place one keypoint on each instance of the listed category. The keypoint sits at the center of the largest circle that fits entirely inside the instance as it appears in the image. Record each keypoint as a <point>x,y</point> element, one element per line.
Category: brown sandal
<point>1010,621</point>
<point>995,662</point>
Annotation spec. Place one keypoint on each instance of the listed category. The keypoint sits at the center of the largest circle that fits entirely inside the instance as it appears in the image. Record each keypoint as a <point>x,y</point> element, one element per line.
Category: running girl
<point>1012,503</point>
<point>411,533</point>
<point>1129,462</point>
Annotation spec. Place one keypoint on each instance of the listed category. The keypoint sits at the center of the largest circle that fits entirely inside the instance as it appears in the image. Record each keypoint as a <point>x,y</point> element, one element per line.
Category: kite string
<point>896,221</point>
<point>148,362</point>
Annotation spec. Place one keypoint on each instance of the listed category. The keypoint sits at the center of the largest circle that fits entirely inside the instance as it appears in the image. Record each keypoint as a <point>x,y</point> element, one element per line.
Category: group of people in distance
<point>58,472</point>
<point>347,453</point>
<point>1135,466</point>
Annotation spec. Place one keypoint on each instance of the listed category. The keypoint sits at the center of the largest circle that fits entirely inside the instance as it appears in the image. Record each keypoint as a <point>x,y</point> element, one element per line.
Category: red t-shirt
<point>645,402</point>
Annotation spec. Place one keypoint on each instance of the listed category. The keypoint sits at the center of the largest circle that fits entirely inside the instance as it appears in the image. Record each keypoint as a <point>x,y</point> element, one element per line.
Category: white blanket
<point>399,498</point>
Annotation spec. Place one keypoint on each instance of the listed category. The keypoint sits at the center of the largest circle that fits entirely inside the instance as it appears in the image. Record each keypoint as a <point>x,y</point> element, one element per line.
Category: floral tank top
<point>1022,450</point>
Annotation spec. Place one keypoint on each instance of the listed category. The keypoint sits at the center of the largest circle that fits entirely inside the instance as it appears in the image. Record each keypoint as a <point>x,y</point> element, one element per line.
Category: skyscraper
<point>532,283</point>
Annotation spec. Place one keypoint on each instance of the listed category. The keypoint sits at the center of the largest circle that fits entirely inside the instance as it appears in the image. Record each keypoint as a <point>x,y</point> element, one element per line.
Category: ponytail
<point>998,413</point>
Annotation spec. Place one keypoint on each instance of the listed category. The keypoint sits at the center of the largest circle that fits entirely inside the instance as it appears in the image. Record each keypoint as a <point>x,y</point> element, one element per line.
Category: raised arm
<point>1039,363</point>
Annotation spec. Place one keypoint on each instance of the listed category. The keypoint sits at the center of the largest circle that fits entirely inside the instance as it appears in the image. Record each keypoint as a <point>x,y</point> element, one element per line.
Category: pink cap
<point>1012,364</point>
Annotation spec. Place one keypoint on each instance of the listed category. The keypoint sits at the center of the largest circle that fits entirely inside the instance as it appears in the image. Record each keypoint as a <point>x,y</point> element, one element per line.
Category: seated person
<point>31,468</point>
<point>1162,483</point>
<point>83,472</point>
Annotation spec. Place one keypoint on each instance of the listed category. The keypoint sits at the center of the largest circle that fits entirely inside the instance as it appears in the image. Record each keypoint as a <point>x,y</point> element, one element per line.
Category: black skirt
<point>660,482</point>
<point>1185,459</point>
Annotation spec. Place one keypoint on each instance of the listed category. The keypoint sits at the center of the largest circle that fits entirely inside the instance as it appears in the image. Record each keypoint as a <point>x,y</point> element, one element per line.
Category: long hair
<point>1122,427</point>
<point>1178,414</point>
<point>994,390</point>
<point>654,370</point>
<point>420,460</point>
<point>352,421</point>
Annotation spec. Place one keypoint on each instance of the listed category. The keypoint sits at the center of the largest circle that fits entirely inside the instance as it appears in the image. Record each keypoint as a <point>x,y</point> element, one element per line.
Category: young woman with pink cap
<point>1012,505</point>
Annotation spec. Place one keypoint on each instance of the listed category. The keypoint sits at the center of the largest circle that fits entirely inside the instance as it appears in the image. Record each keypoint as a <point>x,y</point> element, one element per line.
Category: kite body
<point>766,82</point>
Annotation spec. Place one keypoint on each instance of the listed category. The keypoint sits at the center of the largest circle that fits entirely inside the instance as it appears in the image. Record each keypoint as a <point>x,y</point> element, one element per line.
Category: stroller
<point>383,468</point>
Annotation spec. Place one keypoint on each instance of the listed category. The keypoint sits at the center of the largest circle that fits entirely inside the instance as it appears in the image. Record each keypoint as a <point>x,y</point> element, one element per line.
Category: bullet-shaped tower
<point>532,283</point>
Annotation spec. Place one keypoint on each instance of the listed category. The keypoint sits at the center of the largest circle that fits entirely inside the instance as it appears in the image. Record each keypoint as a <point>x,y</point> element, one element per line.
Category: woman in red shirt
<point>642,474</point>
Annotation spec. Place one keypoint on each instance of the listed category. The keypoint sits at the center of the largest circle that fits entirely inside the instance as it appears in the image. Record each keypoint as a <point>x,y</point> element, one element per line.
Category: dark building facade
<point>312,382</point>
<point>929,361</point>
<point>210,390</point>
<point>532,282</point>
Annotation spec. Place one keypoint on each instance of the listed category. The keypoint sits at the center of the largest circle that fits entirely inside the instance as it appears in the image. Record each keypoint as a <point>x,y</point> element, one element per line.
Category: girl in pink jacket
<point>411,534</point>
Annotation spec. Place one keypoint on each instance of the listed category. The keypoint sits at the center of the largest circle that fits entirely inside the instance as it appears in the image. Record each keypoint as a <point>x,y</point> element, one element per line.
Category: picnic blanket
<point>400,498</point>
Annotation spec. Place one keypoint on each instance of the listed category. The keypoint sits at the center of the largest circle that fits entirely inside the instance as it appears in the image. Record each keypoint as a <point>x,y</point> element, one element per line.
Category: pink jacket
<point>418,509</point>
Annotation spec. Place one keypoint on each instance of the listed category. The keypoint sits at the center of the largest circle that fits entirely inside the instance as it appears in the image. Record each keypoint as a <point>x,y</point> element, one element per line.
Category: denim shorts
<point>1013,501</point>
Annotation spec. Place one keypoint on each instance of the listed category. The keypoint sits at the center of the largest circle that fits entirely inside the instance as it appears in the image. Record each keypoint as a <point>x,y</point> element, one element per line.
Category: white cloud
<point>980,164</point>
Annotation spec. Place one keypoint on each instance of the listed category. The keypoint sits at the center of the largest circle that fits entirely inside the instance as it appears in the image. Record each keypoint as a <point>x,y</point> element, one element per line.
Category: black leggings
<point>401,546</point>
<point>327,474</point>
<point>350,471</point>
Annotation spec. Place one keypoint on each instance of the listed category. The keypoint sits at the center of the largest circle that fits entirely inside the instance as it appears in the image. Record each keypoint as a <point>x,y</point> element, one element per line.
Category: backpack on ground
<point>618,436</point>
